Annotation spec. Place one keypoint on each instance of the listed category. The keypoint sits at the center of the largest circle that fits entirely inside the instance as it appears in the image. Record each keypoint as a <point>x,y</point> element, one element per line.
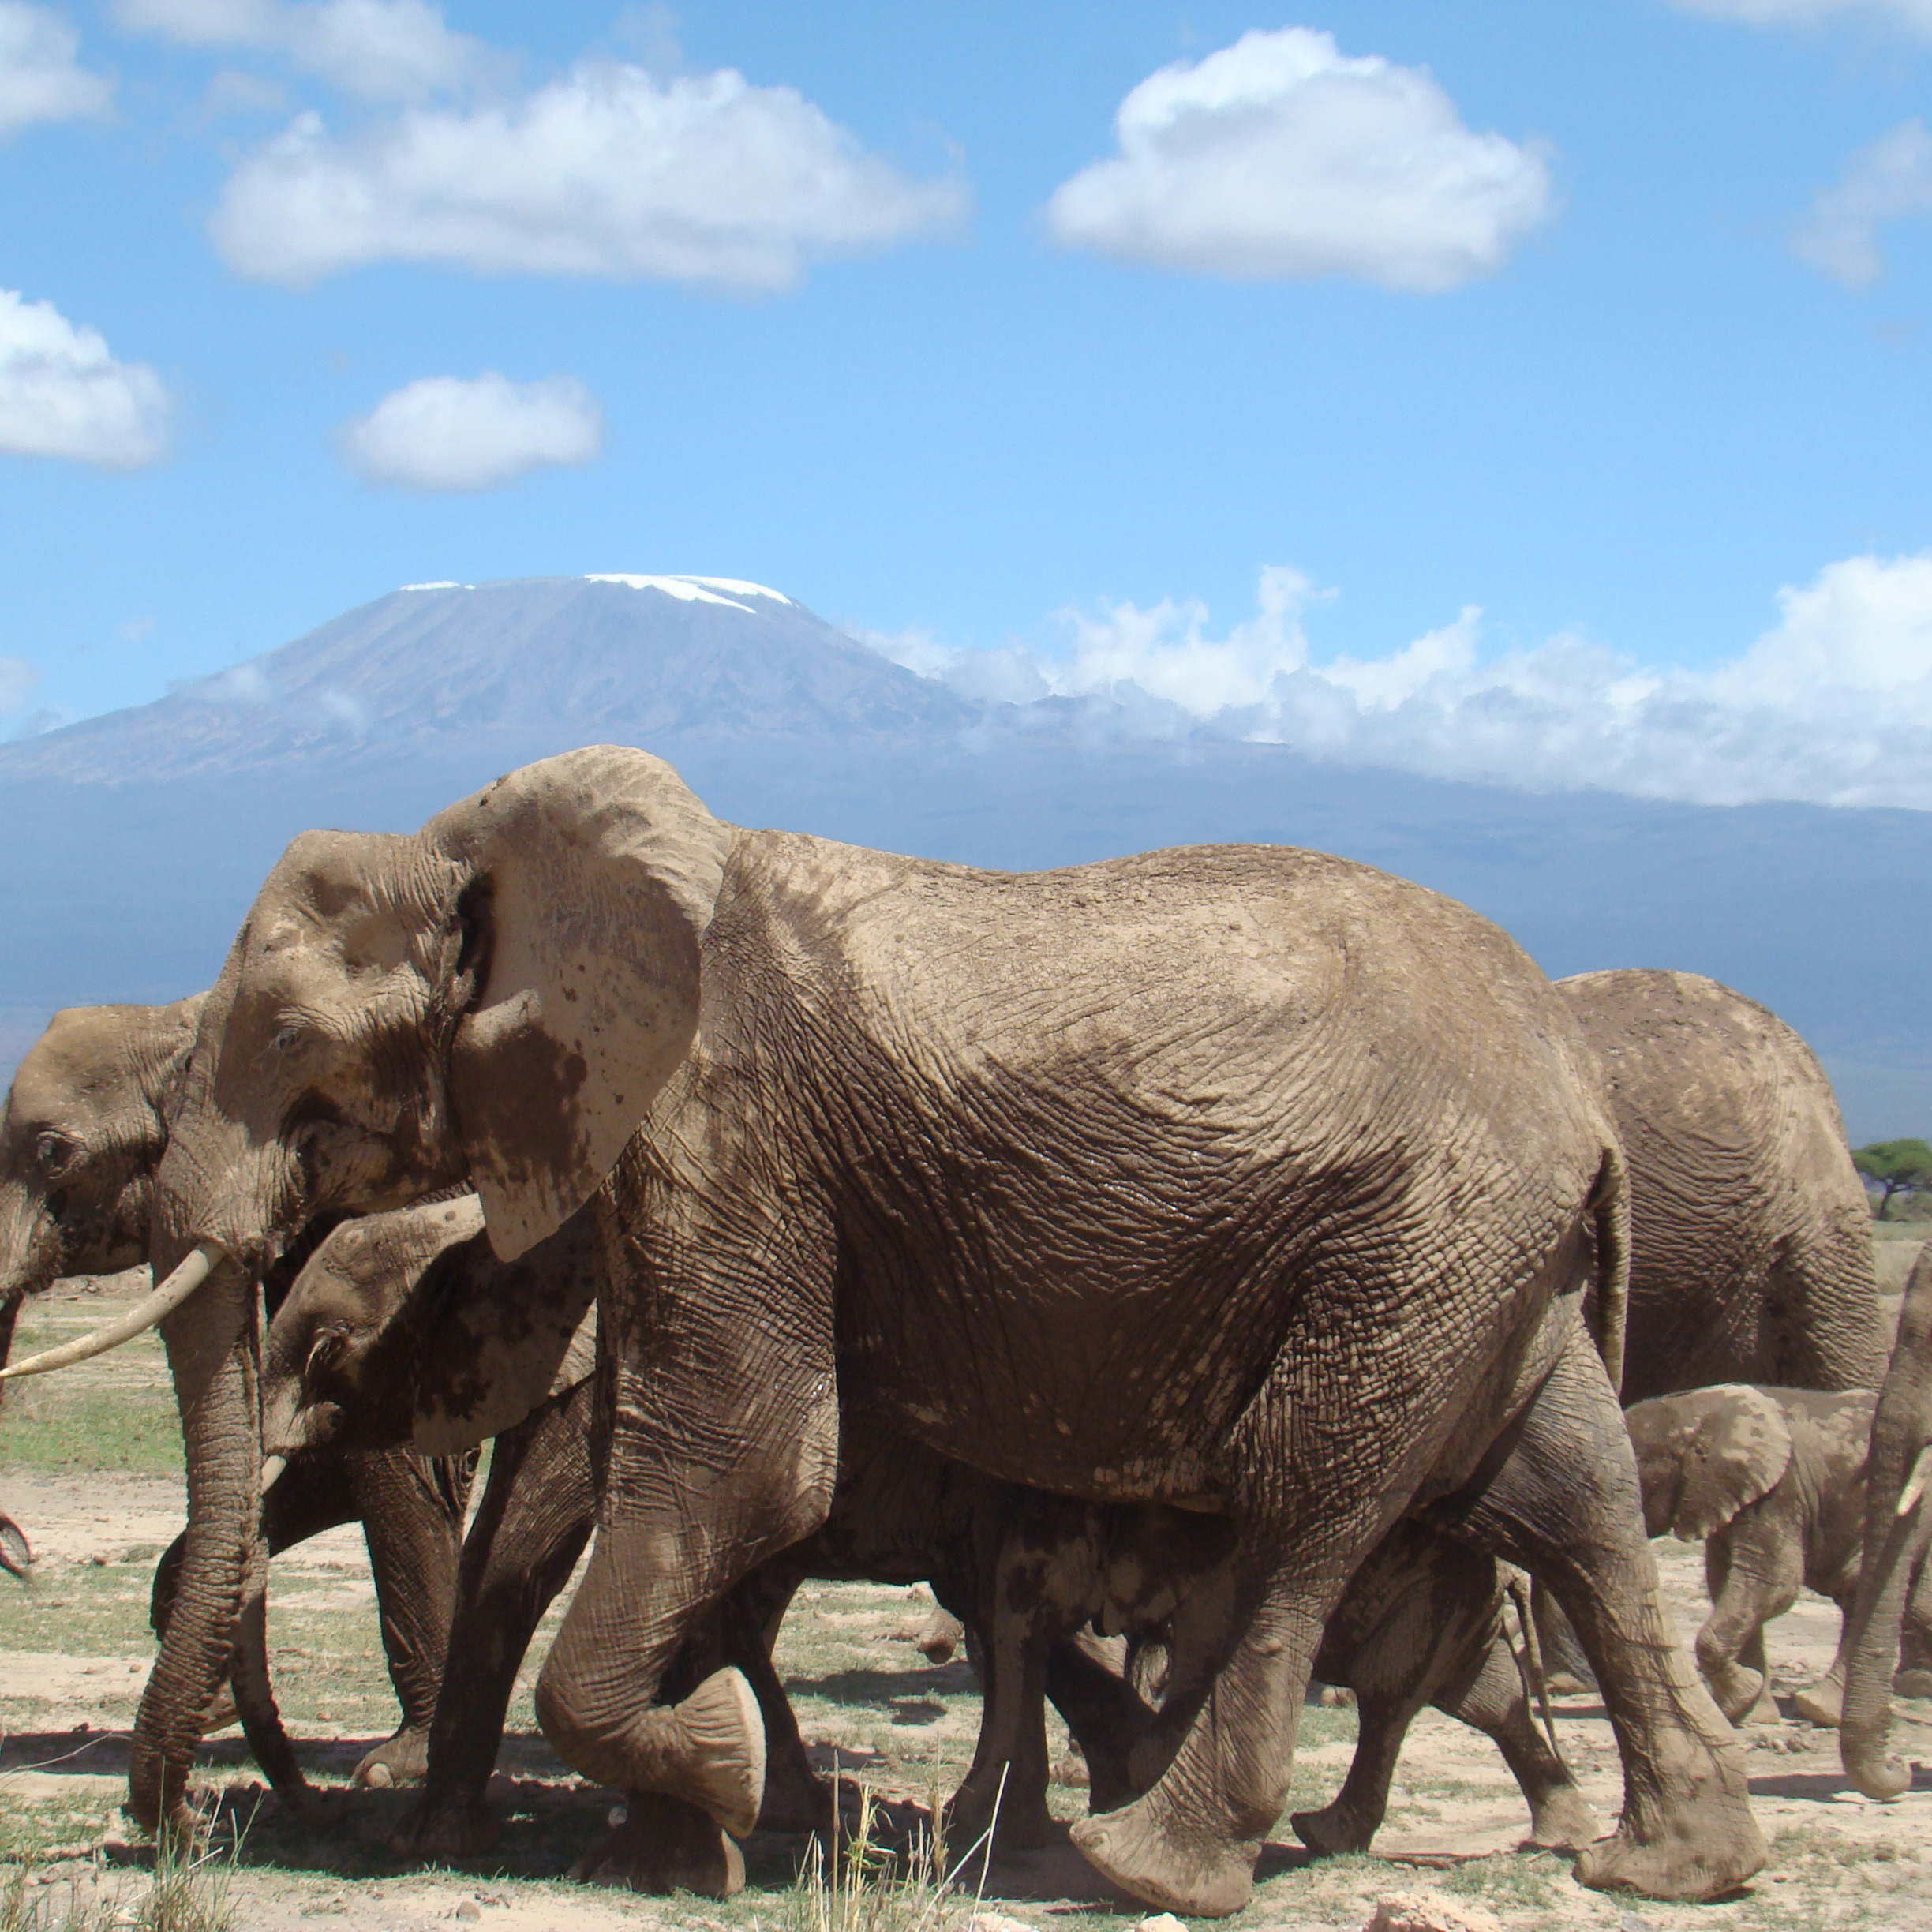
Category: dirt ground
<point>75,1650</point>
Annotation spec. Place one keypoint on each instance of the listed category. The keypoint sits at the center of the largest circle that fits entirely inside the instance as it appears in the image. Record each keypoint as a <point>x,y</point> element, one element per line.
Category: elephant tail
<point>1609,1206</point>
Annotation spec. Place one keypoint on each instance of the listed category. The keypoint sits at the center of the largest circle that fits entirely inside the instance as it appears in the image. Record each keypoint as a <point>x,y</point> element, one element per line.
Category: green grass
<point>116,1413</point>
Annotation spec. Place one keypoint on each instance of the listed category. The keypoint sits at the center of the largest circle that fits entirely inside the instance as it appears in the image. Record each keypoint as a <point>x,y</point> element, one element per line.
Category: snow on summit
<point>696,589</point>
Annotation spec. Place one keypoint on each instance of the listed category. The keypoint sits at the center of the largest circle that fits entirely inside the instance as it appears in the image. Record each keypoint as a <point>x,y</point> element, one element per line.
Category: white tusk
<point>1915,1482</point>
<point>272,1467</point>
<point>172,1293</point>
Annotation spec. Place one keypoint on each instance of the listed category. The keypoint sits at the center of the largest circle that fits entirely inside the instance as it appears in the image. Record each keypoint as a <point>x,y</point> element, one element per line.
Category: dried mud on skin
<point>75,1649</point>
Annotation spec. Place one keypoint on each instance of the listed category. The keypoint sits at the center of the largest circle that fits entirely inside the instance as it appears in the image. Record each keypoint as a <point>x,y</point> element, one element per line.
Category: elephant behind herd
<point>1224,1133</point>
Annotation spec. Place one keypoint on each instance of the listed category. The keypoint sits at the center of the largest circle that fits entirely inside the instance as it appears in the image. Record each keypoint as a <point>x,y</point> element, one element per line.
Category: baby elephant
<point>1773,1480</point>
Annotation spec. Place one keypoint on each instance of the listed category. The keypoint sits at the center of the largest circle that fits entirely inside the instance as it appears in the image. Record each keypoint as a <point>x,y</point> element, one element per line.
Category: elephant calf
<point>1773,1480</point>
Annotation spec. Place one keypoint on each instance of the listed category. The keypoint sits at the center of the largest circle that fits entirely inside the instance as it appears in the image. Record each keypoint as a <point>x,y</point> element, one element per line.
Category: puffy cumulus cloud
<point>379,50</point>
<point>608,171</point>
<point>443,433</point>
<point>1914,14</point>
<point>1890,179</point>
<point>61,394</point>
<point>1279,156</point>
<point>39,80</point>
<point>1833,704</point>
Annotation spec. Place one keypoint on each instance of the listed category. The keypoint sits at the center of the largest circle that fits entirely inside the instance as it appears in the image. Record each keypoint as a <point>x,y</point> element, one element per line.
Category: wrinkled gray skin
<point>1750,1236</point>
<point>1894,1592</point>
<point>1296,1162</point>
<point>85,1130</point>
<point>1772,1482</point>
<point>385,1338</point>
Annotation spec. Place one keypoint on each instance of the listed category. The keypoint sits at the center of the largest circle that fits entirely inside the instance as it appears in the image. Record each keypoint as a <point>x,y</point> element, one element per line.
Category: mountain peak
<point>513,670</point>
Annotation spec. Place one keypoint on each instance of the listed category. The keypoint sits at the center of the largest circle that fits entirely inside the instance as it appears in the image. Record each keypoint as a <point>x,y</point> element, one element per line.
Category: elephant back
<point>1750,1242</point>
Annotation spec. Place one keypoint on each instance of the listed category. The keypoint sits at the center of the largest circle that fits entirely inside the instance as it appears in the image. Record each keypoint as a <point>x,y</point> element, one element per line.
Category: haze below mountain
<point>138,838</point>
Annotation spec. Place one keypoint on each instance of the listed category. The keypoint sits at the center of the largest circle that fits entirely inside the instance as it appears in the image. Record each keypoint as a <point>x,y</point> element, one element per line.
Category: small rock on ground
<point>1429,1911</point>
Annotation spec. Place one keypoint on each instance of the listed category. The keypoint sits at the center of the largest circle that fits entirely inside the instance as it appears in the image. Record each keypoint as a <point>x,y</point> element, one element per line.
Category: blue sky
<point>1501,390</point>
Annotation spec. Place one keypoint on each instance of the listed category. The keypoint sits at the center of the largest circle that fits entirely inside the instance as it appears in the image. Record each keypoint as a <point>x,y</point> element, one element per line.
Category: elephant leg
<point>1914,1675</point>
<point>1226,1734</point>
<point>797,1799</point>
<point>1494,1703</point>
<point>1753,1577</point>
<point>732,1373</point>
<point>1441,1616</point>
<point>1563,1503</point>
<point>534,1519</point>
<point>1107,1717</point>
<point>1040,1584</point>
<point>412,1509</point>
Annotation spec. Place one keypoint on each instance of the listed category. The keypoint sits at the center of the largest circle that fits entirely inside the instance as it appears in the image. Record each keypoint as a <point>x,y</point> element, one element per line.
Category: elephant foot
<point>1822,1704</point>
<point>664,1845</point>
<point>1912,1684</point>
<point>1559,1820</point>
<point>1704,1845</point>
<point>1334,1829</point>
<point>440,1828</point>
<point>1024,1824</point>
<point>708,1750</point>
<point>1734,1688</point>
<point>403,1759</point>
<point>1142,1849</point>
<point>797,1802</point>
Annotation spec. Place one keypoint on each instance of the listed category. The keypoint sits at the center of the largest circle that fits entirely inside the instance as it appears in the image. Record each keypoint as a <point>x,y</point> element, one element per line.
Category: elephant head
<point>85,1129</point>
<point>1898,1526</point>
<point>82,1133</point>
<point>496,999</point>
<point>405,1327</point>
<point>1703,1455</point>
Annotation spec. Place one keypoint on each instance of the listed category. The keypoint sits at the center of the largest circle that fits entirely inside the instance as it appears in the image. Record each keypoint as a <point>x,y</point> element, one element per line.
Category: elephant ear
<point>588,882</point>
<point>499,1337</point>
<point>1734,1446</point>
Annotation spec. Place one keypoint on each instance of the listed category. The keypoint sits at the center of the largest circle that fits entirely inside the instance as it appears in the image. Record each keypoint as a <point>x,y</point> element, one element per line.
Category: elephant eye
<point>50,1150</point>
<point>287,1040</point>
<point>322,1354</point>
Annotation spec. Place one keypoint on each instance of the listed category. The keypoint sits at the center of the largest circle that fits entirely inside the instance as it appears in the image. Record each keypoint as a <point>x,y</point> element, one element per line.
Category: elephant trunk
<point>212,1345</point>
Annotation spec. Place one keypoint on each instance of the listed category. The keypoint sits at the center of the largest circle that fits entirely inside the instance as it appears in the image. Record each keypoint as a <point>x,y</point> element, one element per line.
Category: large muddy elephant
<point>1750,1235</point>
<point>1895,1584</point>
<point>404,1327</point>
<point>84,1131</point>
<point>1241,1179</point>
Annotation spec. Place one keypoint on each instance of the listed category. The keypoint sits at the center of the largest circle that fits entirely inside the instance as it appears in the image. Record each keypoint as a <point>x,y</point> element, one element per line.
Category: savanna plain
<point>90,1462</point>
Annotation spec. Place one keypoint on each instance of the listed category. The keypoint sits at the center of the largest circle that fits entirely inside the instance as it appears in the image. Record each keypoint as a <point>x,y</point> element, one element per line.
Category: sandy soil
<point>1454,1807</point>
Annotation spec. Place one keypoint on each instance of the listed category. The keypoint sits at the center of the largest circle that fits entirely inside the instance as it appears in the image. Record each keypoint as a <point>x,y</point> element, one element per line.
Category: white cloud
<point>38,80</point>
<point>1890,179</point>
<point>18,680</point>
<point>1834,705</point>
<point>61,394</point>
<point>443,433</point>
<point>1279,156</point>
<point>608,171</point>
<point>380,50</point>
<point>1915,14</point>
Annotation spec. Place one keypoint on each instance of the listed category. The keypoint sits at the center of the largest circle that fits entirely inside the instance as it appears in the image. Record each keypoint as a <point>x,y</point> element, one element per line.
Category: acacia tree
<point>1894,1167</point>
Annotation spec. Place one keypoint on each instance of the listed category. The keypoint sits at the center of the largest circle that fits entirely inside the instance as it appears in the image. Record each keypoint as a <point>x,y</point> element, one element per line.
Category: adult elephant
<point>1243,1180</point>
<point>1750,1234</point>
<point>1894,1573</point>
<point>85,1129</point>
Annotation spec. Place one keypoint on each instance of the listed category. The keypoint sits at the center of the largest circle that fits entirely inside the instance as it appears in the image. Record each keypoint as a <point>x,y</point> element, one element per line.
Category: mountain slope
<point>136,840</point>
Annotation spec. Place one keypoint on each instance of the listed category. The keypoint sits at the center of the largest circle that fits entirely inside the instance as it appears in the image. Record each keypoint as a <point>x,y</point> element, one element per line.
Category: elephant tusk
<point>272,1467</point>
<point>1915,1482</point>
<point>171,1293</point>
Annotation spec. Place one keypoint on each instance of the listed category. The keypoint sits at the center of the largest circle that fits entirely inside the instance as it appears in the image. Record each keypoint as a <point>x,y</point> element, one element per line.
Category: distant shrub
<point>1892,1167</point>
